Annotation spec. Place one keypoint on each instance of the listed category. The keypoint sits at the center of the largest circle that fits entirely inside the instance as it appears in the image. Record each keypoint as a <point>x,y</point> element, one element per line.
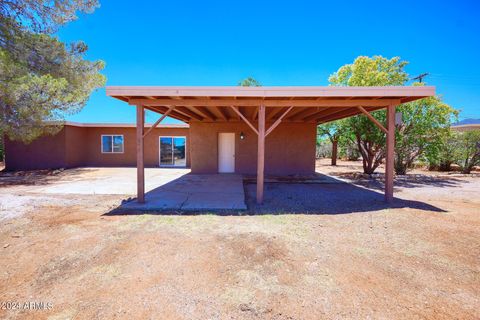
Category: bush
<point>458,148</point>
<point>444,153</point>
<point>348,150</point>
<point>324,149</point>
<point>469,150</point>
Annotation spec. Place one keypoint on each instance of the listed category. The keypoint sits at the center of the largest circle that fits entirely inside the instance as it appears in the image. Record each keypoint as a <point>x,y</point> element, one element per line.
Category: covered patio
<point>262,106</point>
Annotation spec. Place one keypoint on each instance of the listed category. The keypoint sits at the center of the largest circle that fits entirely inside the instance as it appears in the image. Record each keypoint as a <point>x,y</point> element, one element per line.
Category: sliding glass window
<point>173,151</point>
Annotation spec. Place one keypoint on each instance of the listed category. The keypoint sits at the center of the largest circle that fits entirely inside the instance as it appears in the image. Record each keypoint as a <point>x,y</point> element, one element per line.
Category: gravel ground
<point>314,251</point>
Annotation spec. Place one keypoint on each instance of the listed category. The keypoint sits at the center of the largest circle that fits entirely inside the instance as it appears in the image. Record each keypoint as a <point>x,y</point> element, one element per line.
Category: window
<point>112,143</point>
<point>172,151</point>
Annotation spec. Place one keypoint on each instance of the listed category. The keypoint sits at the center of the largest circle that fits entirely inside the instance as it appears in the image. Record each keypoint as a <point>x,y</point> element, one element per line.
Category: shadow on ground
<point>318,194</point>
<point>377,182</point>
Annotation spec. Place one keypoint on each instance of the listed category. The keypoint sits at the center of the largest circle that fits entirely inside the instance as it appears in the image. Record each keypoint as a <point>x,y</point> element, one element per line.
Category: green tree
<point>249,82</point>
<point>333,131</point>
<point>444,153</point>
<point>41,78</point>
<point>469,145</point>
<point>425,124</point>
<point>366,71</point>
<point>425,121</point>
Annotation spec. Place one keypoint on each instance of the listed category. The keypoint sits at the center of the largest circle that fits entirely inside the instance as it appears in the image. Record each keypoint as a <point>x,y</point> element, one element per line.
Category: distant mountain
<point>467,121</point>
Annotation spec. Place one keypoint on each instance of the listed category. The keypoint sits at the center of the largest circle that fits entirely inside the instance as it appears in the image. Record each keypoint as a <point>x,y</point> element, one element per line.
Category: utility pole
<point>420,77</point>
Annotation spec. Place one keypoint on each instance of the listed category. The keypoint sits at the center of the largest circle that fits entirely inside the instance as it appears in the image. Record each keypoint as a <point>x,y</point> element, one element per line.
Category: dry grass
<point>385,263</point>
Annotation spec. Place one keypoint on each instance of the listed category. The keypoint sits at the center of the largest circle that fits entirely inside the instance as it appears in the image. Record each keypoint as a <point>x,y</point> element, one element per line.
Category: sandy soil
<point>419,259</point>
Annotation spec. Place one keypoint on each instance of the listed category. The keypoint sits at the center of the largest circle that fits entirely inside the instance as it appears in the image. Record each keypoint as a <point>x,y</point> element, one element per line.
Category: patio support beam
<point>390,153</point>
<point>158,121</point>
<point>369,116</point>
<point>260,153</point>
<point>276,123</point>
<point>245,119</point>
<point>140,164</point>
<point>279,103</point>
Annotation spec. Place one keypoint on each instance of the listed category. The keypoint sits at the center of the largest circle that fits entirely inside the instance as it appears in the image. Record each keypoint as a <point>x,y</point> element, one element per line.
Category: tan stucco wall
<point>289,149</point>
<point>81,146</point>
<point>74,146</point>
<point>129,157</point>
<point>45,152</point>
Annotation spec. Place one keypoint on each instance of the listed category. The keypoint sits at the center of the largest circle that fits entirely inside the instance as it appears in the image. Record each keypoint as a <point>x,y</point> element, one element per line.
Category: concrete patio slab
<point>194,192</point>
<point>109,180</point>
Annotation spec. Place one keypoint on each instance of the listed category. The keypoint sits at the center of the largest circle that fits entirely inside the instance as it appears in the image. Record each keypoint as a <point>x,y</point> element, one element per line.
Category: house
<point>245,130</point>
<point>99,145</point>
<point>171,145</point>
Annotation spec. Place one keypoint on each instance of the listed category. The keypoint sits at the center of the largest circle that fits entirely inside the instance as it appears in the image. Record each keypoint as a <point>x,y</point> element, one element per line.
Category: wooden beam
<point>325,113</point>
<point>140,164</point>
<point>188,113</point>
<point>337,115</point>
<point>276,123</point>
<point>298,111</point>
<point>372,118</point>
<point>222,114</point>
<point>203,114</point>
<point>255,113</point>
<point>389,161</point>
<point>261,154</point>
<point>267,103</point>
<point>307,112</point>
<point>235,109</point>
<point>345,114</point>
<point>158,121</point>
<point>210,115</point>
<point>173,114</point>
<point>274,112</point>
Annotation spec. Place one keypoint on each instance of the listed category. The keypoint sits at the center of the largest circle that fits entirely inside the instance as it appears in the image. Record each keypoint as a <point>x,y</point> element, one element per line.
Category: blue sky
<point>278,43</point>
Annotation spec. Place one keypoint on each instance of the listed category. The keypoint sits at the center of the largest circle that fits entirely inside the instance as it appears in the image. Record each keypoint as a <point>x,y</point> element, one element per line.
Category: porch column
<point>260,153</point>
<point>140,164</point>
<point>389,171</point>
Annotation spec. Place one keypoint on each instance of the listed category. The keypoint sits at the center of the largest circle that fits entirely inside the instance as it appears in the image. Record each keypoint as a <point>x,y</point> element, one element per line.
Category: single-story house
<point>245,130</point>
<point>213,147</point>
<point>100,145</point>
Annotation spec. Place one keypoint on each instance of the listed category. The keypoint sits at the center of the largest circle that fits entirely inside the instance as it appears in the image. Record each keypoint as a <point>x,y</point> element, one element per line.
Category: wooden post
<point>140,164</point>
<point>390,154</point>
<point>260,153</point>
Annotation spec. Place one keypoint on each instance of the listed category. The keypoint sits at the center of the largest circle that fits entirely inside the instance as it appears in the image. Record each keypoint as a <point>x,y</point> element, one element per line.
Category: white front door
<point>226,152</point>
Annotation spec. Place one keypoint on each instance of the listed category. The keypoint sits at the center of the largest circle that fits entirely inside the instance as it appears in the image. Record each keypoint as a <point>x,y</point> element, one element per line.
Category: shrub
<point>324,149</point>
<point>469,150</point>
<point>444,153</point>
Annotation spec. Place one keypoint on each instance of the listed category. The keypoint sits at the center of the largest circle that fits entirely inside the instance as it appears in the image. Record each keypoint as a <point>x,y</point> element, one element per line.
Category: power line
<point>420,77</point>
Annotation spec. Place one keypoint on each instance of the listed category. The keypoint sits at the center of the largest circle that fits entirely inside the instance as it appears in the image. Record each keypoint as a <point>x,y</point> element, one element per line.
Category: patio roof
<point>264,105</point>
<point>312,104</point>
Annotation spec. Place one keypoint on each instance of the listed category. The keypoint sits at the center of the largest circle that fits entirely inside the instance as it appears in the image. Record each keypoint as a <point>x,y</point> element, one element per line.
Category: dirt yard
<point>349,257</point>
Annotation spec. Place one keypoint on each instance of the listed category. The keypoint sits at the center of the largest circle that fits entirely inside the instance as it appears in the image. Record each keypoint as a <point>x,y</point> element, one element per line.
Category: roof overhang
<point>312,104</point>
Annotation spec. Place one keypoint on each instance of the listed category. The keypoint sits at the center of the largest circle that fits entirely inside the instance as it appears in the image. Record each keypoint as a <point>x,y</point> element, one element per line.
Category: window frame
<point>112,135</point>
<point>160,165</point>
